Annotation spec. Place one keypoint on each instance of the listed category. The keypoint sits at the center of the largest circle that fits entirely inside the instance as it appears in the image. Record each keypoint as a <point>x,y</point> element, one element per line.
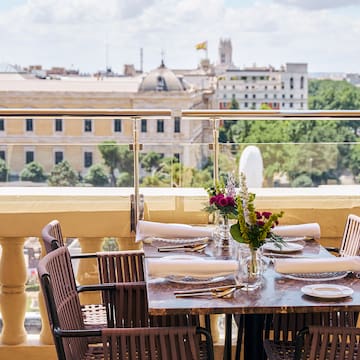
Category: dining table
<point>278,293</point>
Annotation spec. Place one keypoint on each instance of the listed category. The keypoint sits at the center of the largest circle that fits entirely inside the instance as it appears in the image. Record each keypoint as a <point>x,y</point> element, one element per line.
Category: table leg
<point>228,337</point>
<point>253,337</point>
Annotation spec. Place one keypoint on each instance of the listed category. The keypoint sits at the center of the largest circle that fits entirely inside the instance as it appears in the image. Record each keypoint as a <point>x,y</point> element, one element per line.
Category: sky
<point>90,35</point>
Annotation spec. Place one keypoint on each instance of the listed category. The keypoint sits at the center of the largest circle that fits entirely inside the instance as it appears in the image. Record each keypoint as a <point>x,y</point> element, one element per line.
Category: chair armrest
<point>84,256</point>
<point>96,287</point>
<point>77,333</point>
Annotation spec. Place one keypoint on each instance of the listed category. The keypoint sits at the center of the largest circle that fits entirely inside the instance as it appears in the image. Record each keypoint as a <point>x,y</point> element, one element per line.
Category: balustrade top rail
<point>192,113</point>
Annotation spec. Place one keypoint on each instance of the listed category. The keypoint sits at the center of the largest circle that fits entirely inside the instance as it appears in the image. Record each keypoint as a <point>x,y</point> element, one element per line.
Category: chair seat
<point>279,350</point>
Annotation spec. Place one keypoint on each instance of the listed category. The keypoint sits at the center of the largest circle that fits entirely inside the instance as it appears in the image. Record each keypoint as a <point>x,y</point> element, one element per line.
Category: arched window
<point>291,83</point>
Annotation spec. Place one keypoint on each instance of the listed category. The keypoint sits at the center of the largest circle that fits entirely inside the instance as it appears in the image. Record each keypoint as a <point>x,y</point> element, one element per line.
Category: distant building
<point>253,87</point>
<point>51,140</point>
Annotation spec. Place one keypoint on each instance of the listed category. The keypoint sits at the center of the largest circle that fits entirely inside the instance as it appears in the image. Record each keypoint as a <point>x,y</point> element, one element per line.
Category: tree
<point>97,176</point>
<point>63,175</point>
<point>33,172</point>
<point>117,157</point>
<point>110,152</point>
<point>4,170</point>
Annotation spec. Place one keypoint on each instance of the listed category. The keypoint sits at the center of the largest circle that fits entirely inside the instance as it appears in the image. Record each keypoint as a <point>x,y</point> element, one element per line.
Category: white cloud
<point>265,31</point>
<point>319,4</point>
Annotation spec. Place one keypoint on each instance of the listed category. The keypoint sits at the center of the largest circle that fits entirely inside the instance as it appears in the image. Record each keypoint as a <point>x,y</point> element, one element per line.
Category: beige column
<point>13,277</point>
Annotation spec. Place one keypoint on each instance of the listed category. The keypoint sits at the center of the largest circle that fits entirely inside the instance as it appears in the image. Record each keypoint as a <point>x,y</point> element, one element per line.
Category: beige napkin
<point>292,266</point>
<point>147,229</point>
<point>311,230</point>
<point>195,267</point>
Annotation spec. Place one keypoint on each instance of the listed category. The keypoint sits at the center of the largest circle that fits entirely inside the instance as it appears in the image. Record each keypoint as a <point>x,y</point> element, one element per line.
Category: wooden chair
<point>116,267</point>
<point>74,342</point>
<point>319,343</point>
<point>350,243</point>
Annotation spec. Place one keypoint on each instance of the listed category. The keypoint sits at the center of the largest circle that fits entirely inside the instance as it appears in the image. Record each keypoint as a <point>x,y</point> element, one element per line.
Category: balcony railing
<point>93,214</point>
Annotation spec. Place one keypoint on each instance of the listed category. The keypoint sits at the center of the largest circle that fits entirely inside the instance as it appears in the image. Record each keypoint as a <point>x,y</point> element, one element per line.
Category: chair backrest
<point>325,343</point>
<point>52,236</point>
<point>62,301</point>
<point>286,326</point>
<point>157,343</point>
<point>121,266</point>
<point>350,244</point>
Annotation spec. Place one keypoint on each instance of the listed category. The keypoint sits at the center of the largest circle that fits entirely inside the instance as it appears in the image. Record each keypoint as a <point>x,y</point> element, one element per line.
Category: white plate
<point>181,240</point>
<point>327,291</point>
<point>327,276</point>
<point>285,248</point>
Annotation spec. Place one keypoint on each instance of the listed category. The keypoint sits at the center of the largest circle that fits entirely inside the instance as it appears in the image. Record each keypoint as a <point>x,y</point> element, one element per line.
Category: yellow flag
<point>201,46</point>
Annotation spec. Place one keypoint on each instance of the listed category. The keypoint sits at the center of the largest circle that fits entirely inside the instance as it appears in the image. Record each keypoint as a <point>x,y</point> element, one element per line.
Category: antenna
<point>141,60</point>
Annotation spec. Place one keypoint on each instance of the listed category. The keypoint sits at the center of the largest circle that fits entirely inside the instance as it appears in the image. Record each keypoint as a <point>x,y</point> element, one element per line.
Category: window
<point>143,125</point>
<point>87,125</point>
<point>2,125</point>
<point>291,83</point>
<point>224,87</point>
<point>266,96</point>
<point>29,157</point>
<point>246,104</point>
<point>117,125</point>
<point>58,125</point>
<point>177,124</point>
<point>246,96</point>
<point>160,126</point>
<point>59,157</point>
<point>275,96</point>
<point>291,96</point>
<point>29,125</point>
<point>233,86</point>
<point>302,82</point>
<point>254,96</point>
<point>224,96</point>
<point>265,87</point>
<point>291,104</point>
<point>2,154</point>
<point>88,159</point>
<point>283,96</point>
<point>177,157</point>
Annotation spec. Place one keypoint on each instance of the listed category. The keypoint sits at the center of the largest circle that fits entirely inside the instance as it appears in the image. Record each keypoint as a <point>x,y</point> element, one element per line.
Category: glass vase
<point>251,268</point>
<point>223,233</point>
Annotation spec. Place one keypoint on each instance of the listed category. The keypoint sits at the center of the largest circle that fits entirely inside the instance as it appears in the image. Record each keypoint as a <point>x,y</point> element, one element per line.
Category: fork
<point>217,293</point>
<point>188,247</point>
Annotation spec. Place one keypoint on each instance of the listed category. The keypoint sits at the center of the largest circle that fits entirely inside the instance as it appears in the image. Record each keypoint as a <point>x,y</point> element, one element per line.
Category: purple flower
<point>260,223</point>
<point>213,200</point>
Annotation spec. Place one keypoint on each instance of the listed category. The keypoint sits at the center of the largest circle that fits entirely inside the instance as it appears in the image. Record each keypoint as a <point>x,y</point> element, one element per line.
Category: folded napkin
<point>292,266</point>
<point>194,267</point>
<point>147,229</point>
<point>311,230</point>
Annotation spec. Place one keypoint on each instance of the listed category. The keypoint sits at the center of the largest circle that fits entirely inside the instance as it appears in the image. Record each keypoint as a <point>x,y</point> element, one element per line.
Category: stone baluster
<point>13,298</point>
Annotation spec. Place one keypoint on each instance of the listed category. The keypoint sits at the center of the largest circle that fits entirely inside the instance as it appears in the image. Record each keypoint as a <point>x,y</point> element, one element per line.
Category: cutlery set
<point>225,291</point>
<point>197,247</point>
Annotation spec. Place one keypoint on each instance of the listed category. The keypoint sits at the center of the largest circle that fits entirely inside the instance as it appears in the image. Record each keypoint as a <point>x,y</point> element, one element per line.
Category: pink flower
<point>260,223</point>
<point>258,215</point>
<point>266,214</point>
<point>212,200</point>
<point>223,201</point>
<point>231,200</point>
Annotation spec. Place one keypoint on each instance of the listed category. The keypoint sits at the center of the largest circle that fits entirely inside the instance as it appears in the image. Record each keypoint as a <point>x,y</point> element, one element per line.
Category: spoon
<point>217,293</point>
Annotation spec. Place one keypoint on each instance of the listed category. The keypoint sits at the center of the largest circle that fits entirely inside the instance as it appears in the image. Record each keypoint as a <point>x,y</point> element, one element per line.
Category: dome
<point>162,79</point>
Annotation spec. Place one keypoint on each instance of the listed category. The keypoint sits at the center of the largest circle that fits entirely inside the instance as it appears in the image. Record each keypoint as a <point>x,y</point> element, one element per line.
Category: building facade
<point>49,141</point>
<point>258,87</point>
